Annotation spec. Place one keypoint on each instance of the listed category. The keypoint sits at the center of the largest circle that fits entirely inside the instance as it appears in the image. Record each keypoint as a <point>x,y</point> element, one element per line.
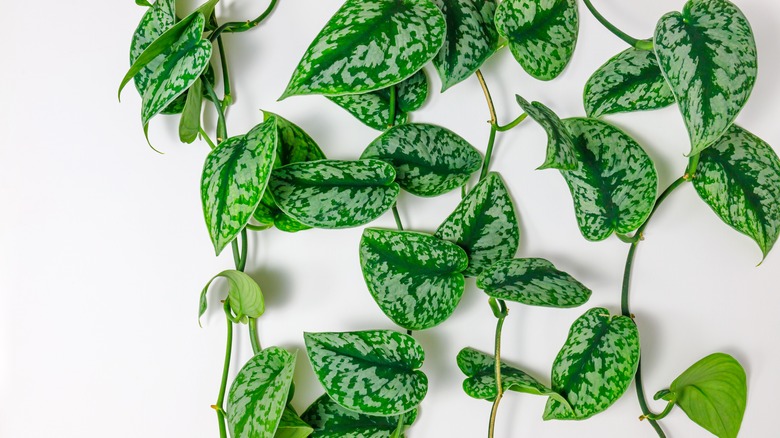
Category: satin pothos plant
<point>369,59</point>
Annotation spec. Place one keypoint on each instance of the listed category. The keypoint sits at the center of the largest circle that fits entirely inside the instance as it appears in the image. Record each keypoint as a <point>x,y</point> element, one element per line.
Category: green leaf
<point>739,177</point>
<point>369,45</point>
<point>235,176</point>
<point>708,56</point>
<point>713,393</point>
<point>258,395</point>
<point>189,125</point>
<point>244,295</point>
<point>412,93</point>
<point>157,19</point>
<point>541,34</point>
<point>471,39</point>
<point>560,147</point>
<point>484,224</point>
<point>291,426</point>
<point>429,160</point>
<point>535,282</point>
<point>335,194</point>
<point>143,3</point>
<point>415,278</point>
<point>295,145</point>
<point>370,372</point>
<point>269,214</point>
<point>595,366</point>
<point>330,420</point>
<point>615,183</point>
<point>630,81</point>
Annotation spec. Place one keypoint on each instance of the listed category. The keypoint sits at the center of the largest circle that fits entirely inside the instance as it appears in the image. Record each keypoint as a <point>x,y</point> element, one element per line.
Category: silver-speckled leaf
<point>630,81</point>
<point>235,176</point>
<point>292,426</point>
<point>739,177</point>
<point>412,93</point>
<point>480,382</point>
<point>595,366</point>
<point>560,148</point>
<point>369,45</point>
<point>615,183</point>
<point>535,282</point>
<point>258,395</point>
<point>471,39</point>
<point>157,19</point>
<point>484,224</point>
<point>335,194</point>
<point>429,160</point>
<point>708,56</point>
<point>330,420</point>
<point>415,278</point>
<point>542,34</point>
<point>295,145</point>
<point>244,295</point>
<point>371,372</point>
<point>269,215</point>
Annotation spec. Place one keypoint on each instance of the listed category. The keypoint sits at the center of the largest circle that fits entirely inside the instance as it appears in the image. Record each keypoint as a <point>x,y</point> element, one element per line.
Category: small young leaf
<point>615,183</point>
<point>244,295</point>
<point>534,282</point>
<point>713,393</point>
<point>484,224</point>
<point>258,395</point>
<point>630,81</point>
<point>708,56</point>
<point>189,125</point>
<point>739,177</point>
<point>595,366</point>
<point>370,372</point>
<point>235,176</point>
<point>292,426</point>
<point>330,420</point>
<point>143,3</point>
<point>471,39</point>
<point>335,194</point>
<point>429,160</point>
<point>541,34</point>
<point>415,278</point>
<point>369,45</point>
<point>560,147</point>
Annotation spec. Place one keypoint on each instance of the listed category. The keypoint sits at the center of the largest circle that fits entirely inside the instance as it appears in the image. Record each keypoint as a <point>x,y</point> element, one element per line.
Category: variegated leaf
<point>429,160</point>
<point>471,38</point>
<point>292,426</point>
<point>415,278</point>
<point>335,194</point>
<point>561,153</point>
<point>157,19</point>
<point>369,45</point>
<point>295,145</point>
<point>189,125</point>
<point>480,382</point>
<point>541,33</point>
<point>595,366</point>
<point>258,395</point>
<point>484,224</point>
<point>708,56</point>
<point>535,282</point>
<point>630,81</point>
<point>371,372</point>
<point>235,176</point>
<point>270,215</point>
<point>244,295</point>
<point>739,177</point>
<point>330,420</point>
<point>412,93</point>
<point>615,183</point>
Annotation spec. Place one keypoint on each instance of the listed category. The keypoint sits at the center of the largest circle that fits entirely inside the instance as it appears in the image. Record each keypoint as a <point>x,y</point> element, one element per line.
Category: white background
<point>103,248</point>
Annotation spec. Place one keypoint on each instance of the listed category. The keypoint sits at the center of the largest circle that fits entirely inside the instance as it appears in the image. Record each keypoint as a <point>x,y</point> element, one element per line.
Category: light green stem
<point>243,26</point>
<point>219,407</point>
<point>499,385</point>
<point>633,42</point>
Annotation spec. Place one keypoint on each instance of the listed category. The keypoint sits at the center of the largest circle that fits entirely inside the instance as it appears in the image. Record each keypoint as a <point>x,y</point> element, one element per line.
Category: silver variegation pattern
<point>329,420</point>
<point>561,153</point>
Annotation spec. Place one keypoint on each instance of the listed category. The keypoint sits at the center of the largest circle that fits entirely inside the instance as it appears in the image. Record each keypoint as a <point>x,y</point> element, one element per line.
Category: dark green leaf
<point>154,23</point>
<point>295,145</point>
<point>330,420</point>
<point>269,214</point>
<point>143,3</point>
<point>291,426</point>
<point>412,93</point>
<point>189,125</point>
<point>560,147</point>
<point>244,295</point>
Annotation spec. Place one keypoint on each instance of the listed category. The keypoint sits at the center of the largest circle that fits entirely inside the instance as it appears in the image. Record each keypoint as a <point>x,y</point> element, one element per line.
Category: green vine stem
<point>501,312</point>
<point>243,26</point>
<point>219,407</point>
<point>633,42</point>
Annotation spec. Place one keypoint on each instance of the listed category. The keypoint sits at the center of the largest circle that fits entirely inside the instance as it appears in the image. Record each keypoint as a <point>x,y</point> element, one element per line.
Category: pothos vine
<point>369,59</point>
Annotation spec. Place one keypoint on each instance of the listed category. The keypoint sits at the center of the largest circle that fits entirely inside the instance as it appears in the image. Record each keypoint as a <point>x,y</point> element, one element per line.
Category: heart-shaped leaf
<point>189,126</point>
<point>739,177</point>
<point>595,366</point>
<point>630,81</point>
<point>429,160</point>
<point>541,34</point>
<point>258,395</point>
<point>235,176</point>
<point>369,45</point>
<point>471,39</point>
<point>371,372</point>
<point>534,282</point>
<point>708,56</point>
<point>157,19</point>
<point>292,426</point>
<point>484,224</point>
<point>412,93</point>
<point>713,393</point>
<point>335,194</point>
<point>244,295</point>
<point>615,183</point>
<point>560,147</point>
<point>295,145</point>
<point>330,420</point>
<point>415,278</point>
